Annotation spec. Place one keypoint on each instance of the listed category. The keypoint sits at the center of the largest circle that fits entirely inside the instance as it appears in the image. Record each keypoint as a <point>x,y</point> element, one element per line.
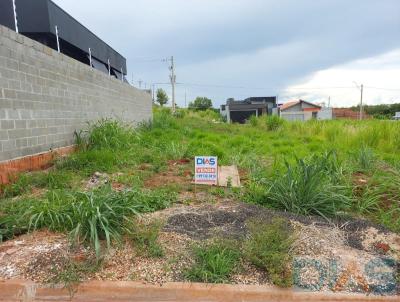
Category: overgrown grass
<point>87,216</point>
<point>213,262</point>
<point>268,247</point>
<point>53,179</point>
<point>285,165</point>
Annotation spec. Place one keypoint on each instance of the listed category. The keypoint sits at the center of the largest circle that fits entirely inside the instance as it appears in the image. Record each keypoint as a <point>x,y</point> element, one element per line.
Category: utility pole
<point>185,98</point>
<point>361,102</point>
<point>153,93</point>
<point>173,82</point>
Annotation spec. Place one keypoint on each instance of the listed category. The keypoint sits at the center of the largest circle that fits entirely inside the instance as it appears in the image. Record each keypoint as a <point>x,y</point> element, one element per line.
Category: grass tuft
<point>214,262</point>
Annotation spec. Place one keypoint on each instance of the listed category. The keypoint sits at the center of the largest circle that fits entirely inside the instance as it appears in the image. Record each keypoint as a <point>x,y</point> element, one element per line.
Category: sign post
<point>206,170</point>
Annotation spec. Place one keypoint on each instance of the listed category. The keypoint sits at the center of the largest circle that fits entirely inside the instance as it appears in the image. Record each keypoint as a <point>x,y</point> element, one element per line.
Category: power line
<point>263,88</point>
<point>381,88</point>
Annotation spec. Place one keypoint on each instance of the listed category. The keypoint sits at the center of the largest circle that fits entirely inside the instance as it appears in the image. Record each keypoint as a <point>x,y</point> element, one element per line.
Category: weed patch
<point>268,247</point>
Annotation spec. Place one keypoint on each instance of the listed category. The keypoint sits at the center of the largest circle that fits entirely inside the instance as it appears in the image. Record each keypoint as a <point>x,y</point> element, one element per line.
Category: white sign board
<point>206,170</point>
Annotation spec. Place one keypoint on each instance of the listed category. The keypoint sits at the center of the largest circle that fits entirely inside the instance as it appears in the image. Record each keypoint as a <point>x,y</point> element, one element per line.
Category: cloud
<point>269,44</point>
<point>380,76</point>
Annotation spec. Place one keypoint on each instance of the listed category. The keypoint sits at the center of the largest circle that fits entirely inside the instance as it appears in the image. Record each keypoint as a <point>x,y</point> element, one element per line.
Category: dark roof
<point>37,19</point>
<point>252,100</point>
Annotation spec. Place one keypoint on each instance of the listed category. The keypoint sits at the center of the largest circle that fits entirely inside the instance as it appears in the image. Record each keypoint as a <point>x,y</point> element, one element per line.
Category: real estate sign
<point>206,170</point>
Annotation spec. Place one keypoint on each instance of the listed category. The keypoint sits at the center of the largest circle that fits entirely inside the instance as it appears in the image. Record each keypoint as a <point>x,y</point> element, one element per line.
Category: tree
<point>201,103</point>
<point>162,97</point>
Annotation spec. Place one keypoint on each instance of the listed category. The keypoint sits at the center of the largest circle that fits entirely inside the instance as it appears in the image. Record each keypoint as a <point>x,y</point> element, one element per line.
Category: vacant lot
<point>123,206</point>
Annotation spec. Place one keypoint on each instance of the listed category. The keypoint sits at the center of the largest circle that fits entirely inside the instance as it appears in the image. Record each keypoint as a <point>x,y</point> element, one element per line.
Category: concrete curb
<point>17,290</point>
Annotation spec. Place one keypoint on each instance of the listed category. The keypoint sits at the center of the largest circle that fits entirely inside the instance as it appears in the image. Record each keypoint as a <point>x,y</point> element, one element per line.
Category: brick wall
<point>45,96</point>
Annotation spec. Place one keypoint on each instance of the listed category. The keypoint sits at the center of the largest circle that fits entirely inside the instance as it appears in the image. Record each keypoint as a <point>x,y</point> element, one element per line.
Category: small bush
<point>214,262</point>
<point>145,238</point>
<point>274,122</point>
<point>268,248</point>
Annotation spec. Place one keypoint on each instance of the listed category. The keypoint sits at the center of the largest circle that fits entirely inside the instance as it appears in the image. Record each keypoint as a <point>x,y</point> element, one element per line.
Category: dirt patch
<point>178,172</point>
<point>36,256</point>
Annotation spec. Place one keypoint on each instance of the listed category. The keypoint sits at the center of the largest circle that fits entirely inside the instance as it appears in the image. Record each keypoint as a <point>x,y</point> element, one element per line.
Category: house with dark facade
<point>241,111</point>
<point>47,23</point>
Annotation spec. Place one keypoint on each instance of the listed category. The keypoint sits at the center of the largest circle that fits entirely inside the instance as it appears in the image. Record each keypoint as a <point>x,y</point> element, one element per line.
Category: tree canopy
<point>162,97</point>
<point>201,103</point>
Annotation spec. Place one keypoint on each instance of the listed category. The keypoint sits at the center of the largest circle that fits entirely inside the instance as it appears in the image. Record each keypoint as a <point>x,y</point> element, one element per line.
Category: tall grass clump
<point>268,247</point>
<point>274,122</point>
<point>90,217</point>
<point>110,134</point>
<point>365,159</point>
<point>312,186</point>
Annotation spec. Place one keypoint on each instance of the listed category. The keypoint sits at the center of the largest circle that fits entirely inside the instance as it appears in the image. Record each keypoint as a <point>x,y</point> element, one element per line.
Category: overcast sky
<point>240,48</point>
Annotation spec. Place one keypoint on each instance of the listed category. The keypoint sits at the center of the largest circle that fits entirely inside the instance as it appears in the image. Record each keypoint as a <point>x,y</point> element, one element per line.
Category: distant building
<point>348,113</point>
<point>299,111</point>
<point>397,116</point>
<point>241,111</point>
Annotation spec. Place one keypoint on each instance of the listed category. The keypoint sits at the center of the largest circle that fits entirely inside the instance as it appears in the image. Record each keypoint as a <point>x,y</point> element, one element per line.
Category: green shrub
<point>268,247</point>
<point>145,237</point>
<point>214,262</point>
<point>274,122</point>
<point>310,186</point>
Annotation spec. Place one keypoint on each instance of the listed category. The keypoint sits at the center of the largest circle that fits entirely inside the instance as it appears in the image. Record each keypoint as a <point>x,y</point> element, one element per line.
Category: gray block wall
<point>45,96</point>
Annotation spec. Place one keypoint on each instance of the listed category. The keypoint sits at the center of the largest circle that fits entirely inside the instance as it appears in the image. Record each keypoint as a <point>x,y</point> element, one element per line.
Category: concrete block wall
<point>45,96</point>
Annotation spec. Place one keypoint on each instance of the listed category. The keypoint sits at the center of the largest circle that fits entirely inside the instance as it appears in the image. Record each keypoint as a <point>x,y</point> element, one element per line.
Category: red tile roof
<point>289,104</point>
